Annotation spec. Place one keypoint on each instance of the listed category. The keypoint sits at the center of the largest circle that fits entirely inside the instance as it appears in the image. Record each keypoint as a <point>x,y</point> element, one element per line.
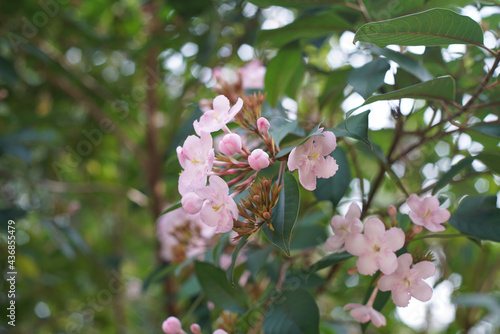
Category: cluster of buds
<point>235,169</point>
<point>376,247</point>
<point>172,325</point>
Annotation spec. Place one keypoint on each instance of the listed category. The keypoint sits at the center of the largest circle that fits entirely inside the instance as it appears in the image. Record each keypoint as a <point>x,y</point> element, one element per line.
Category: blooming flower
<point>172,326</point>
<point>376,247</point>
<point>364,314</point>
<point>230,144</point>
<point>258,159</point>
<point>343,228</point>
<point>219,209</point>
<point>405,283</point>
<point>196,157</point>
<point>426,213</point>
<point>252,75</point>
<point>216,119</point>
<point>310,159</point>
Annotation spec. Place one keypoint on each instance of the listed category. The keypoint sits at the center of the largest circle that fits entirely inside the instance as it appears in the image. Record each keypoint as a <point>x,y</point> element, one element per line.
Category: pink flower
<point>195,329</point>
<point>344,228</point>
<point>196,157</point>
<point>263,125</point>
<point>405,283</point>
<point>191,203</point>
<point>172,326</point>
<point>364,314</point>
<point>230,144</point>
<point>427,213</point>
<point>219,331</point>
<point>376,247</point>
<point>310,159</point>
<point>258,159</point>
<point>216,119</point>
<point>219,209</point>
<point>252,75</point>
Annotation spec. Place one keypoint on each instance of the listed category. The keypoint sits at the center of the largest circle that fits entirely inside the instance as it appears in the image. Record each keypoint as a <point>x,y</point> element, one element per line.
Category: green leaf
<point>430,28</point>
<point>158,275</point>
<point>294,3</point>
<point>329,260</point>
<point>7,71</point>
<point>441,88</point>
<point>171,208</point>
<point>491,160</point>
<point>488,129</point>
<point>356,127</point>
<point>454,170</point>
<point>230,270</point>
<point>478,216</point>
<point>335,187</point>
<point>407,63</point>
<point>280,72</point>
<point>295,312</point>
<point>280,127</point>
<point>310,26</point>
<point>369,77</point>
<point>214,283</point>
<point>284,215</point>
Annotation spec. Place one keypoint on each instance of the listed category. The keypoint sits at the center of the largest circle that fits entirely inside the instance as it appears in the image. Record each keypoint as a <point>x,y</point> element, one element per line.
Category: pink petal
<point>421,290</point>
<point>440,216</point>
<point>414,203</point>
<point>230,205</point>
<point>377,318</point>
<point>404,262</point>
<point>307,177</point>
<point>352,306</point>
<point>388,282</point>
<point>225,223</point>
<point>235,109</point>
<point>325,167</point>
<point>401,297</point>
<point>218,185</point>
<point>424,269</point>
<point>367,264</point>
<point>208,215</point>
<point>337,222</point>
<point>294,159</point>
<point>334,243</point>
<point>353,212</point>
<point>416,219</point>
<point>221,104</point>
<point>388,263</point>
<point>431,203</point>
<point>356,244</point>
<point>374,228</point>
<point>325,144</point>
<point>394,238</point>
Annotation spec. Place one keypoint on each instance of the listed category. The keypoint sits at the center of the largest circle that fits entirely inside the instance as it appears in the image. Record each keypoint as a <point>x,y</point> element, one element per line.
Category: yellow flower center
<point>216,208</point>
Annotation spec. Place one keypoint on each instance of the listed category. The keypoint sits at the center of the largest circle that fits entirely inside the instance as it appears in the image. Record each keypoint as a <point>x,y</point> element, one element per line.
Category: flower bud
<point>230,144</point>
<point>191,203</point>
<point>258,159</point>
<point>392,211</point>
<point>172,326</point>
<point>195,329</point>
<point>263,125</point>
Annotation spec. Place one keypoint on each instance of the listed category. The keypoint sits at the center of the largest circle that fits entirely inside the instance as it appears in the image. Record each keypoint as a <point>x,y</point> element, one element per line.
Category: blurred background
<point>94,98</point>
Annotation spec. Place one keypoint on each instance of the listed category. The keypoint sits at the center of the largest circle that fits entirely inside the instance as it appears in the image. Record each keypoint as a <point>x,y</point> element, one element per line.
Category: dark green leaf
<point>310,26</point>
<point>330,260</point>
<point>478,216</point>
<point>280,72</point>
<point>284,214</point>
<point>171,208</point>
<point>430,28</point>
<point>280,127</point>
<point>442,88</point>
<point>407,63</point>
<point>158,274</point>
<point>454,170</point>
<point>356,127</point>
<point>488,129</point>
<point>334,188</point>
<point>295,312</point>
<point>7,72</point>
<point>294,3</point>
<point>214,283</point>
<point>491,160</point>
<point>256,260</point>
<point>369,77</point>
<point>230,270</point>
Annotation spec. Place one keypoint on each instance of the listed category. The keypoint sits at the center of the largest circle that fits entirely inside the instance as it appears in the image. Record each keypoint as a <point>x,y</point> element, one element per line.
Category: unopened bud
<point>230,144</point>
<point>256,198</point>
<point>392,211</point>
<point>195,328</point>
<point>191,203</point>
<point>172,326</point>
<point>266,215</point>
<point>258,159</point>
<point>263,125</point>
<point>352,271</point>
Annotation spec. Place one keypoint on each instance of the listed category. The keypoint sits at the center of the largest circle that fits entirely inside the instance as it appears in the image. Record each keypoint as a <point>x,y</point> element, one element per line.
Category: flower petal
<point>367,264</point>
<point>221,105</point>
<point>377,318</point>
<point>401,297</point>
<point>374,228</point>
<point>394,238</point>
<point>325,167</point>
<point>356,244</point>
<point>325,144</point>
<point>387,262</point>
<point>424,269</point>
<point>421,290</point>
<point>307,177</point>
<point>353,212</point>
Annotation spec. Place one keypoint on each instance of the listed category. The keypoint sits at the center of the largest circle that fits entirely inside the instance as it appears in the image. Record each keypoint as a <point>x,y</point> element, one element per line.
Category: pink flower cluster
<point>376,249</point>
<point>173,326</point>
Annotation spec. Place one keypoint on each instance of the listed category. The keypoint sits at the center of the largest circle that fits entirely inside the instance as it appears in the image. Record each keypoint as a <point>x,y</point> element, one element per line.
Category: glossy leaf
<point>369,77</point>
<point>454,170</point>
<point>214,283</point>
<point>488,129</point>
<point>407,63</point>
<point>280,72</point>
<point>294,3</point>
<point>334,188</point>
<point>280,127</point>
<point>234,257</point>
<point>355,127</point>
<point>171,208</point>
<point>478,216</point>
<point>310,26</point>
<point>430,28</point>
<point>284,215</point>
<point>442,88</point>
<point>295,312</point>
<point>330,260</point>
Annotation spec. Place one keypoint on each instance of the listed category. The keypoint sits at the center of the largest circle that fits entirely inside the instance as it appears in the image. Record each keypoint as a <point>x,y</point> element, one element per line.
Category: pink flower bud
<point>191,203</point>
<point>230,144</point>
<point>392,210</point>
<point>195,329</point>
<point>258,159</point>
<point>263,125</point>
<point>172,326</point>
